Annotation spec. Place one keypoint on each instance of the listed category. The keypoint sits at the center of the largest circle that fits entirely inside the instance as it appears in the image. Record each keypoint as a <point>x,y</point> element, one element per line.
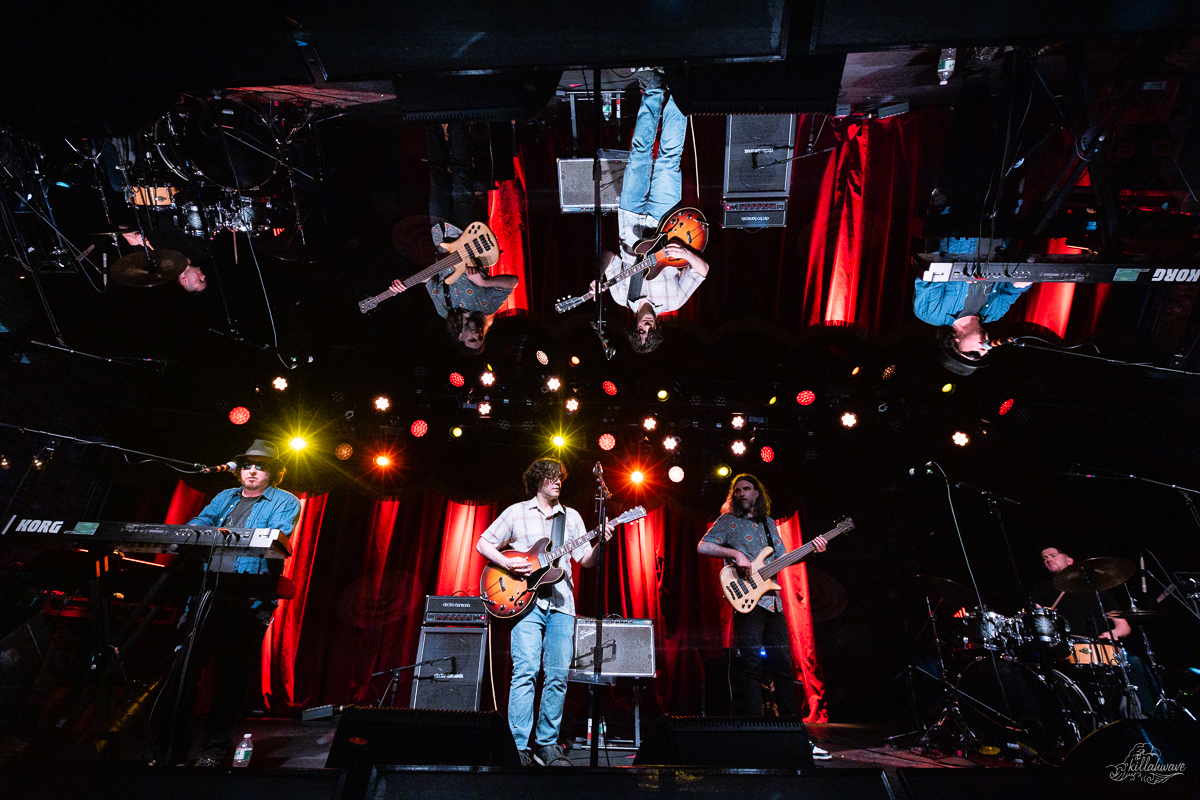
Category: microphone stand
<point>602,494</point>
<point>395,673</point>
<point>598,325</point>
<point>994,500</point>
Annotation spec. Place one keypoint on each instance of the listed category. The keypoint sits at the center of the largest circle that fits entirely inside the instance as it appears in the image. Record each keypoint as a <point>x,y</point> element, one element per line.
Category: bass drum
<point>223,141</point>
<point>1051,713</point>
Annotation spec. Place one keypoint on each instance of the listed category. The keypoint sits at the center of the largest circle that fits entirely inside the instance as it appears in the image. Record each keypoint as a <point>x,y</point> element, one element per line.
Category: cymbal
<point>942,588</point>
<point>1132,613</point>
<point>140,269</point>
<point>1094,575</point>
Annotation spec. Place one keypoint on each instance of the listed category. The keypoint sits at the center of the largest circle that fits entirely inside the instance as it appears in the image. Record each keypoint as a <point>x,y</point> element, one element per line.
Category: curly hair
<point>762,506</point>
<point>457,319</point>
<point>542,470</point>
<point>654,338</point>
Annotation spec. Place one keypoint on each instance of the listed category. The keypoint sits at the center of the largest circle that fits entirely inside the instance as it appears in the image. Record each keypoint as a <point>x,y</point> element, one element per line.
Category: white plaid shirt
<point>667,292</point>
<point>522,524</point>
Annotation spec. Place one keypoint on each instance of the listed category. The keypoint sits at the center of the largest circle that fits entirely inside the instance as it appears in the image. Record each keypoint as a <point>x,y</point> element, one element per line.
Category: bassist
<point>543,638</point>
<point>740,534</point>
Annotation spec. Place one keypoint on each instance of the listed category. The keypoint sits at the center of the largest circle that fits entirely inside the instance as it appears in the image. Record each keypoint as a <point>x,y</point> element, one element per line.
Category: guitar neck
<point>442,265</point>
<point>550,556</point>
<point>794,557</point>
<point>648,261</point>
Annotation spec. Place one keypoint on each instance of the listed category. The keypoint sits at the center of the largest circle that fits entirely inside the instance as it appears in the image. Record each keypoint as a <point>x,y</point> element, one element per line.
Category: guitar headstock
<point>630,515</point>
<point>567,303</point>
<point>845,526</point>
<point>368,305</point>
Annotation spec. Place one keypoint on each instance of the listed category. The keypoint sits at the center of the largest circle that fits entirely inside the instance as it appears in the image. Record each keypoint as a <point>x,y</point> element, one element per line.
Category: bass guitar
<point>686,227</point>
<point>475,250</point>
<point>743,593</point>
<point>506,594</point>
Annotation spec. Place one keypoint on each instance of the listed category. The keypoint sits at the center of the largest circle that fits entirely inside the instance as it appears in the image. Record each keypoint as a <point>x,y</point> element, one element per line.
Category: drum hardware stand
<point>951,713</point>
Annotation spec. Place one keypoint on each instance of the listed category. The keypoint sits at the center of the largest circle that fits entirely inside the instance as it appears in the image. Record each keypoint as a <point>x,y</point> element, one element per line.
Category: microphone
<point>228,466</point>
<point>598,470</point>
<point>997,342</point>
<point>1166,594</point>
<point>1142,565</point>
<point>926,467</point>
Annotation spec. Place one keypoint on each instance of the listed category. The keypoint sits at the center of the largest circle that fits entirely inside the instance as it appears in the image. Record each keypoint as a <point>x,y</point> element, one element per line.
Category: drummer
<point>1079,609</point>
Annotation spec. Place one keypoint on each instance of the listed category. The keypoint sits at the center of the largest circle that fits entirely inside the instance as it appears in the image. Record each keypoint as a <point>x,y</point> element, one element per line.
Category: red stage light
<point>419,428</point>
<point>456,379</point>
<point>767,455</point>
<point>239,415</point>
<point>609,387</point>
<point>607,441</point>
<point>1006,406</point>
<point>806,398</point>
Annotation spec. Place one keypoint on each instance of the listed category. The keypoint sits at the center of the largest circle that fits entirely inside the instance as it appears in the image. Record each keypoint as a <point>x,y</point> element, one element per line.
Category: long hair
<point>540,471</point>
<point>762,506</point>
<point>457,320</point>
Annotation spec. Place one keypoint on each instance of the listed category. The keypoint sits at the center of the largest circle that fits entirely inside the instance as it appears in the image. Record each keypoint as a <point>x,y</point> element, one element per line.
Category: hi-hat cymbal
<point>1094,575</point>
<point>1133,613</point>
<point>941,588</point>
<point>142,269</point>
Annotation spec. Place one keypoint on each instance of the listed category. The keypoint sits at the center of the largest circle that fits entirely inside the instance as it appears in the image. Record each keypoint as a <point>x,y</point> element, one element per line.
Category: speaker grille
<point>577,190</point>
<point>454,683</point>
<point>758,155</point>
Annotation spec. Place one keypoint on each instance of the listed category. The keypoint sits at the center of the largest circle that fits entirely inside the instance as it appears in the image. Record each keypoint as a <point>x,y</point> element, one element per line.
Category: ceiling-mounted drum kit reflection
<point>1027,685</point>
<point>212,163</point>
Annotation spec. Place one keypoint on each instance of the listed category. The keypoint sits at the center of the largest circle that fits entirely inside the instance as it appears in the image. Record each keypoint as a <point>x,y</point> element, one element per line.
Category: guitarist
<point>543,638</point>
<point>650,188</point>
<point>467,305</point>
<point>742,531</point>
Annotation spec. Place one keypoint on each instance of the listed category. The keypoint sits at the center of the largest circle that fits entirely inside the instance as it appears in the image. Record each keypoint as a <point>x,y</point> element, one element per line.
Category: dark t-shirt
<point>241,512</point>
<point>1079,609</point>
<point>976,299</point>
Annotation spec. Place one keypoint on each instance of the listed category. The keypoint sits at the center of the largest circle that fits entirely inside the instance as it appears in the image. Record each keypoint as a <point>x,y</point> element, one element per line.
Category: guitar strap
<point>557,529</point>
<point>635,285</point>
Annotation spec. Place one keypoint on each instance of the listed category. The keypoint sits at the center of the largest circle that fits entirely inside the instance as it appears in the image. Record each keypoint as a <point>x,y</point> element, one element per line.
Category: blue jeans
<point>541,639</point>
<point>654,185</point>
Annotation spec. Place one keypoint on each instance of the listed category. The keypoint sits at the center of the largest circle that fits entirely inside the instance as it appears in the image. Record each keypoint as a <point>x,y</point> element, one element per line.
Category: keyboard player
<point>231,626</point>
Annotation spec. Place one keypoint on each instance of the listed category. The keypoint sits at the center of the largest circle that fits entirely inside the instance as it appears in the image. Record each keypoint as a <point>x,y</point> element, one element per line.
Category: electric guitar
<point>474,250</point>
<point>506,594</point>
<point>743,593</point>
<point>686,227</point>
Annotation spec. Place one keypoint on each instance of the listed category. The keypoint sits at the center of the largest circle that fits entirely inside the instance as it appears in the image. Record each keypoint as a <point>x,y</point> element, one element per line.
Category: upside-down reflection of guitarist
<point>543,637</point>
<point>739,534</point>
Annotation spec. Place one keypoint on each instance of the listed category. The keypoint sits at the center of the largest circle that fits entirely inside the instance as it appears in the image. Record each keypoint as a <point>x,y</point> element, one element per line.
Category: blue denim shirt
<point>939,302</point>
<point>277,509</point>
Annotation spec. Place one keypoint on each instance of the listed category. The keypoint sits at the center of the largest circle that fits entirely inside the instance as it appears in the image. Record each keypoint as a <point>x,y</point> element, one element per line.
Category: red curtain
<point>508,218</point>
<point>800,625</point>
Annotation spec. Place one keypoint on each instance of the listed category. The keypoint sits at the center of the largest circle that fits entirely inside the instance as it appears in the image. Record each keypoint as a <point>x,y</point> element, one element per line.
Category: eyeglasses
<point>255,465</point>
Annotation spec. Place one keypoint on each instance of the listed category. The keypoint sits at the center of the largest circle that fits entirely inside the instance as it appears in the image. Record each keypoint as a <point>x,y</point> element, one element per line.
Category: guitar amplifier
<point>628,647</point>
<point>755,213</point>
<point>454,609</point>
<point>577,189</point>
<point>453,681</point>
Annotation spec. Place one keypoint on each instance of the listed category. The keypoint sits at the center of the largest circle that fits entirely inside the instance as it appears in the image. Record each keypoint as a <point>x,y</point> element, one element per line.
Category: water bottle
<point>946,64</point>
<point>242,753</point>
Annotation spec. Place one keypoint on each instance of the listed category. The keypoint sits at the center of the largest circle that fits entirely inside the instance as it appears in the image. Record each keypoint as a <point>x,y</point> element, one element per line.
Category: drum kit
<point>210,165</point>
<point>1026,685</point>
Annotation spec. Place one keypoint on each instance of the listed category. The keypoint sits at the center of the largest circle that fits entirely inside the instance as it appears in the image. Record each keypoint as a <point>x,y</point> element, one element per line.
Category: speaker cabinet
<point>453,681</point>
<point>628,647</point>
<point>739,742</point>
<point>577,189</point>
<point>758,155</point>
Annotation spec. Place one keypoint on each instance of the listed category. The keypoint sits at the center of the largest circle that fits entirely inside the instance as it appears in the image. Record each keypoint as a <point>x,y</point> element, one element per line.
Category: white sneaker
<point>820,754</point>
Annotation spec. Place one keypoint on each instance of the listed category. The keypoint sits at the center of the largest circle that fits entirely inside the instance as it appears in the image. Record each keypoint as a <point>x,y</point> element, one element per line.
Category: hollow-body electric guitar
<point>743,593</point>
<point>686,227</point>
<point>507,594</point>
<point>475,250</point>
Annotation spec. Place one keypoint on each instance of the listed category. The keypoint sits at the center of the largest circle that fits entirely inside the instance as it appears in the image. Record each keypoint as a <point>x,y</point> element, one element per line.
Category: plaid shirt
<point>750,537</point>
<point>522,524</point>
<point>667,292</point>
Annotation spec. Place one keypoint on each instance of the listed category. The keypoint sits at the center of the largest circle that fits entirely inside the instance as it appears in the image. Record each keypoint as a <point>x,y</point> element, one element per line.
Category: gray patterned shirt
<point>749,537</point>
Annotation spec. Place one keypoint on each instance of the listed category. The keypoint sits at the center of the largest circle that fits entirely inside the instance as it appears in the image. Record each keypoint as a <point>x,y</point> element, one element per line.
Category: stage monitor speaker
<point>1175,741</point>
<point>758,155</point>
<point>577,187</point>
<point>126,781</point>
<point>492,97</point>
<point>628,647</point>
<point>797,85</point>
<point>453,681</point>
<point>1035,783</point>
<point>737,742</point>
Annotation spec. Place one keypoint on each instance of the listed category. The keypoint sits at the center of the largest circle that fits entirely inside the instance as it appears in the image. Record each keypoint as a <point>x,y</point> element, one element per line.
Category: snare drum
<point>1095,653</point>
<point>155,195</point>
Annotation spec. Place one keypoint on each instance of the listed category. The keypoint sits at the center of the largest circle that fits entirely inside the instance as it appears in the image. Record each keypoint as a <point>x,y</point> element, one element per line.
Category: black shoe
<point>551,755</point>
<point>649,78</point>
<point>526,757</point>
